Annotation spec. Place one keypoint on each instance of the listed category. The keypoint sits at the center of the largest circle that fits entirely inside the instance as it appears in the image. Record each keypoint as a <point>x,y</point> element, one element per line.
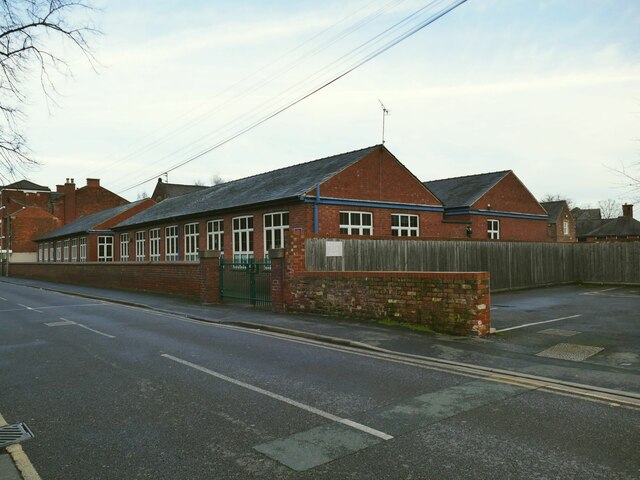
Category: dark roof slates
<point>464,191</point>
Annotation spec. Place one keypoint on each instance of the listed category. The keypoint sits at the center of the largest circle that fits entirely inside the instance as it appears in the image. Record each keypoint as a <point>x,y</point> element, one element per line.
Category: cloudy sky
<point>548,88</point>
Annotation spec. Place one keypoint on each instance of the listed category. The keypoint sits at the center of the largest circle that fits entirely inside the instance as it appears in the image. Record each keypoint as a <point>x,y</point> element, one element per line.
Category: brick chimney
<point>93,182</point>
<point>69,190</point>
<point>627,210</point>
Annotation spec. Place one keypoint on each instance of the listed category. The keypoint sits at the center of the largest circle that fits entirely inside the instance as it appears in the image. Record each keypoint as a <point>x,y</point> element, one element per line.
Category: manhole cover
<point>559,332</point>
<point>570,351</point>
<point>16,433</point>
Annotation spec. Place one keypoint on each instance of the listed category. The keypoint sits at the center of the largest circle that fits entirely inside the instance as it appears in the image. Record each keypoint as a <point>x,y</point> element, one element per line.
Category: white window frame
<point>215,235</point>
<point>405,225</point>
<point>172,247</point>
<point>124,247</point>
<point>355,223</point>
<point>51,252</point>
<point>565,227</point>
<point>59,251</point>
<point>45,252</point>
<point>65,250</point>
<point>242,238</point>
<point>105,248</point>
<point>493,229</point>
<point>154,244</point>
<point>274,225</point>
<point>83,249</point>
<point>74,250</point>
<point>141,240</point>
<point>40,253</point>
<point>191,241</point>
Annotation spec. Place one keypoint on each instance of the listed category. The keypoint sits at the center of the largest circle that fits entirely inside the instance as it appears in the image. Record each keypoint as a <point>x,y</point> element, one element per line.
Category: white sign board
<point>334,249</point>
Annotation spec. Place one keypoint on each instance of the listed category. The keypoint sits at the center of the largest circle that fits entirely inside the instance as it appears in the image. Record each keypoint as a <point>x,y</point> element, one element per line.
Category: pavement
<point>601,320</point>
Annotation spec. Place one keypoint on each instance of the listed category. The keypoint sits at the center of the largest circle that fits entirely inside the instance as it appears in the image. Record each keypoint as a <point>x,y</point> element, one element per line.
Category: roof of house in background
<point>464,191</point>
<point>554,209</point>
<point>616,227</point>
<point>285,183</point>
<point>25,185</point>
<point>587,220</point>
<point>169,190</point>
<point>87,223</point>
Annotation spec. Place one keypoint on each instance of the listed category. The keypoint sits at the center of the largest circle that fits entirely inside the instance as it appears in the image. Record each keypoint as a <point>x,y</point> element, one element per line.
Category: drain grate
<point>570,351</point>
<point>16,433</point>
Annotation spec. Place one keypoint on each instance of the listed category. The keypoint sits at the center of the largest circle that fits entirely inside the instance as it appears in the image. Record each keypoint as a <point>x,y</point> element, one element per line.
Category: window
<point>83,249</point>
<point>565,227</point>
<point>404,225</point>
<point>154,245</point>
<point>74,249</point>
<point>66,250</point>
<point>124,247</point>
<point>493,229</point>
<point>51,253</point>
<point>215,235</point>
<point>59,251</point>
<point>140,247</point>
<point>40,253</point>
<point>45,252</point>
<point>275,224</point>
<point>191,237</point>
<point>171,253</point>
<point>356,223</point>
<point>105,249</point>
<point>242,239</point>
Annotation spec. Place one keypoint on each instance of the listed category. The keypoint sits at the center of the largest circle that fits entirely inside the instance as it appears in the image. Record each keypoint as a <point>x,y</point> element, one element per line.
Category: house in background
<point>28,211</point>
<point>364,192</point>
<point>561,226</point>
<point>165,190</point>
<point>625,228</point>
<point>89,238</point>
<point>493,206</point>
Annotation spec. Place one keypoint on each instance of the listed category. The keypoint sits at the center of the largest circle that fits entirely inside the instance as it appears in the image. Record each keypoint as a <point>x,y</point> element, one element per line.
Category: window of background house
<point>140,246</point>
<point>275,224</point>
<point>242,239</point>
<point>493,229</point>
<point>58,251</point>
<point>356,223</point>
<point>124,247</point>
<point>154,245</point>
<point>215,235</point>
<point>565,227</point>
<point>191,237</point>
<point>74,249</point>
<point>171,252</point>
<point>105,249</point>
<point>52,257</point>
<point>45,252</point>
<point>403,225</point>
<point>83,249</point>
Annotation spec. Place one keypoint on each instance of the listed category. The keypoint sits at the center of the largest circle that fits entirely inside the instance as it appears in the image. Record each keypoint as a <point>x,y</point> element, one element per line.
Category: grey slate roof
<point>464,191</point>
<point>169,190</point>
<point>285,183</point>
<point>87,223</point>
<point>554,209</point>
<point>617,227</point>
<point>26,185</point>
<point>587,220</point>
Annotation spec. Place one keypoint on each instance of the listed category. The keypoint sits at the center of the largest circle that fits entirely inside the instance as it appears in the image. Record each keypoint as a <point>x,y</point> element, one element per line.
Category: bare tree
<point>610,208</point>
<point>31,32</point>
<point>216,179</point>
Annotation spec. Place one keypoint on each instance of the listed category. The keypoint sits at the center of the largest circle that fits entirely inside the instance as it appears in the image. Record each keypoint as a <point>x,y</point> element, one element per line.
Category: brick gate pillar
<point>210,276</point>
<point>276,255</point>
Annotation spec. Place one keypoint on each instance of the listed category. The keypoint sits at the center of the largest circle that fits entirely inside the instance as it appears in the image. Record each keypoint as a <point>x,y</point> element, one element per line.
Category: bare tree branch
<point>31,32</point>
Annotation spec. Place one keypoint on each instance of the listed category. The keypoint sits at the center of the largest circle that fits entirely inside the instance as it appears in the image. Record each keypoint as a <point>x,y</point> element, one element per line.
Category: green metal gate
<point>246,282</point>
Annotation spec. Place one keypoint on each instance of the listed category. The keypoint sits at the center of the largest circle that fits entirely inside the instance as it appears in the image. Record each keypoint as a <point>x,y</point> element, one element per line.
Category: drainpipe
<point>315,210</point>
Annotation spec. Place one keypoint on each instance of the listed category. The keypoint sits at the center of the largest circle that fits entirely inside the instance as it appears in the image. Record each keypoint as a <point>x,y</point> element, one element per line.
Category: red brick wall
<point>28,224</point>
<point>175,278</point>
<point>455,303</point>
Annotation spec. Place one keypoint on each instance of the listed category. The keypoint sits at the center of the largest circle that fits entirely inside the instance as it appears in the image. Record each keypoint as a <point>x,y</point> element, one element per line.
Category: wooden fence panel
<point>511,264</point>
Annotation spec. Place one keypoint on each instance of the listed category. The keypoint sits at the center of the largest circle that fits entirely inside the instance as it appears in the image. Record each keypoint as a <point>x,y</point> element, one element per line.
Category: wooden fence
<point>511,264</point>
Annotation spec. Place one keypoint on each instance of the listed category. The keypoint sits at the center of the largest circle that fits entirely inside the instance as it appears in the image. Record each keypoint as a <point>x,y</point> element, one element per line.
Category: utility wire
<point>277,112</point>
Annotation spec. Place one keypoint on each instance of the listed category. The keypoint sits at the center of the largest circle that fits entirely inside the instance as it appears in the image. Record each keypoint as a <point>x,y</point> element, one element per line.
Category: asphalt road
<point>114,392</point>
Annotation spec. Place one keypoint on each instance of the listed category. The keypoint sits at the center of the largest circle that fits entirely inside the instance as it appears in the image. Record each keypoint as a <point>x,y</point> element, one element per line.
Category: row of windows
<point>275,225</point>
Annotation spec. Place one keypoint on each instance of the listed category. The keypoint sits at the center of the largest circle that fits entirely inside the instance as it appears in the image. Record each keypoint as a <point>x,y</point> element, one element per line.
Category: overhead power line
<point>367,58</point>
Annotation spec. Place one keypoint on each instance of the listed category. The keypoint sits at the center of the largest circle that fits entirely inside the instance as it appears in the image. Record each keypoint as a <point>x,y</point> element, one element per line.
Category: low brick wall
<point>455,303</point>
<point>187,279</point>
<point>447,302</point>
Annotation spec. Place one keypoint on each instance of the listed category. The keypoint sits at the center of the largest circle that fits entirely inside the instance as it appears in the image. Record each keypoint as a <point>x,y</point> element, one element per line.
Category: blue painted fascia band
<point>493,213</point>
<point>371,204</point>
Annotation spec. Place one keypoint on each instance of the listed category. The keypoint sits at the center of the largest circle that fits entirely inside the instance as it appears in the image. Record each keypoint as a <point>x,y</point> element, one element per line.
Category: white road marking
<point>28,308</point>
<point>95,331</point>
<point>2,298</point>
<point>598,292</point>
<point>63,322</point>
<point>308,408</point>
<point>538,323</point>
<point>60,324</point>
